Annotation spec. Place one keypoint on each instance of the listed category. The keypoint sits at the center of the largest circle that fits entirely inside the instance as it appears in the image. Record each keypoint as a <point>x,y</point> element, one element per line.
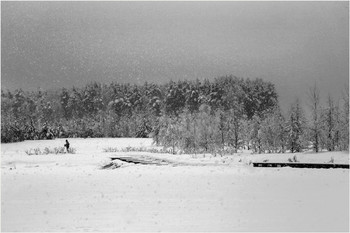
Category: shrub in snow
<point>71,150</point>
<point>59,150</point>
<point>140,149</point>
<point>154,150</point>
<point>110,149</point>
<point>28,152</point>
<point>47,150</point>
<point>35,151</point>
<point>293,160</point>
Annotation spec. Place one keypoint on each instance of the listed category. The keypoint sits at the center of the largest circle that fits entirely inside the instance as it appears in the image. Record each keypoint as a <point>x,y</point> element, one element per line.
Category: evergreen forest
<point>218,116</point>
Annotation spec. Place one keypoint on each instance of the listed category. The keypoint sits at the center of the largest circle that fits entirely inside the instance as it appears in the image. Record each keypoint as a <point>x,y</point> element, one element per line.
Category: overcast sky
<point>61,44</point>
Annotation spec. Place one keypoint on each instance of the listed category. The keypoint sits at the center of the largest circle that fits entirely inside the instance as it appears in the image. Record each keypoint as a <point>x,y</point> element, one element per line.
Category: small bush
<point>59,150</point>
<point>136,149</point>
<point>37,151</point>
<point>34,151</point>
<point>71,151</point>
<point>47,150</point>
<point>293,160</point>
<point>110,149</point>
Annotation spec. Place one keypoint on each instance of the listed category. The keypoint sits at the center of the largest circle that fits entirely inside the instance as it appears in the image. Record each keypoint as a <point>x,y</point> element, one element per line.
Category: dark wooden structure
<point>301,165</point>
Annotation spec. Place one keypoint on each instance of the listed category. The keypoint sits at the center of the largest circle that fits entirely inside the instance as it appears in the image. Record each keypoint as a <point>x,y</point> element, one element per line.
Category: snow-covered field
<point>69,192</point>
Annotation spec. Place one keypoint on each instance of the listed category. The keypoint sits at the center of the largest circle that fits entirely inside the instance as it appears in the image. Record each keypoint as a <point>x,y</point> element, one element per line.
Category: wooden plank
<point>301,165</point>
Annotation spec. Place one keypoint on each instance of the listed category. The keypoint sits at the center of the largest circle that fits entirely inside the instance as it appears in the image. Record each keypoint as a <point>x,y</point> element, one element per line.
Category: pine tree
<point>295,128</point>
<point>192,99</point>
<point>64,103</point>
<point>175,99</point>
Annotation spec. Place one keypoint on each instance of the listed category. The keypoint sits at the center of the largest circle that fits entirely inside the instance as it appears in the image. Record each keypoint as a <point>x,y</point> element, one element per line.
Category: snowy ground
<point>69,192</point>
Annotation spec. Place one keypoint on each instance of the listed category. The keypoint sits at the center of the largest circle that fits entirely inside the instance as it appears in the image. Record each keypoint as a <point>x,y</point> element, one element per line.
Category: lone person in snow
<point>67,145</point>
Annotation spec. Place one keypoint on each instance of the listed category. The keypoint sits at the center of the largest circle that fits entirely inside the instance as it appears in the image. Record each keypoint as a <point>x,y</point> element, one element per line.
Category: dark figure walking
<point>67,145</point>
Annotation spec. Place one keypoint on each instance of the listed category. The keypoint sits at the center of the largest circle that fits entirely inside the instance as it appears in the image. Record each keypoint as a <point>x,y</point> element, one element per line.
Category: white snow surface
<point>69,192</point>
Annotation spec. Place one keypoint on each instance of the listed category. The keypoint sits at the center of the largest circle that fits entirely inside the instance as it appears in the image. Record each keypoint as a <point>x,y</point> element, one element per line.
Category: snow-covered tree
<point>256,134</point>
<point>345,121</point>
<point>273,131</point>
<point>315,124</point>
<point>296,125</point>
<point>175,99</point>
<point>169,133</point>
<point>206,128</point>
<point>329,125</point>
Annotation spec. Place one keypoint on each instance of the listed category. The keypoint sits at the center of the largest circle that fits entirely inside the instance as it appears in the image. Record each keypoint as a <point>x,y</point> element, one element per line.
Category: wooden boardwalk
<point>301,165</point>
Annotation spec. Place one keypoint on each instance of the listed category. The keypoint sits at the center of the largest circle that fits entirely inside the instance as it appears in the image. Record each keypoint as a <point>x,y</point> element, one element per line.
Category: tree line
<point>217,116</point>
